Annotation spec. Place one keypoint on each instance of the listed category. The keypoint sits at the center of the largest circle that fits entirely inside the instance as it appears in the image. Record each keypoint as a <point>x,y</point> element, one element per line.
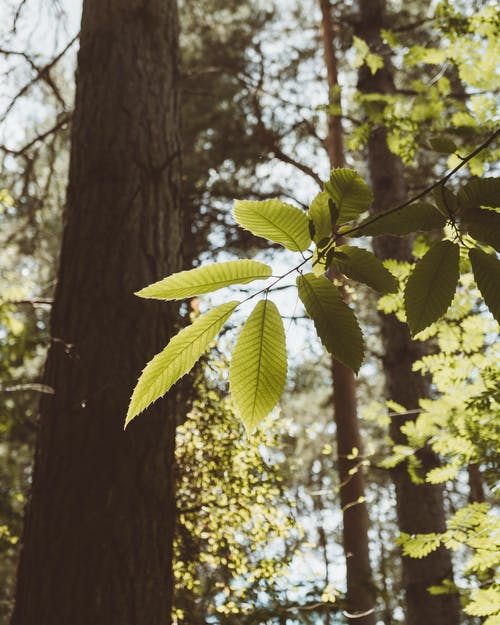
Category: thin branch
<point>280,155</point>
<point>37,388</point>
<point>64,119</point>
<point>42,73</point>
<point>30,302</point>
<point>428,189</point>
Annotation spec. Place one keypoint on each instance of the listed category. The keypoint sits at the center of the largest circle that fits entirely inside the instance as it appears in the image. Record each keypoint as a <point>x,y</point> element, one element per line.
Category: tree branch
<point>428,189</point>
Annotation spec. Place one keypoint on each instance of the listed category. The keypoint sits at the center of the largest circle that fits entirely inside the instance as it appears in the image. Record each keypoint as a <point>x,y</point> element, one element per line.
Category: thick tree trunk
<point>98,532</point>
<point>420,507</point>
<point>359,582</point>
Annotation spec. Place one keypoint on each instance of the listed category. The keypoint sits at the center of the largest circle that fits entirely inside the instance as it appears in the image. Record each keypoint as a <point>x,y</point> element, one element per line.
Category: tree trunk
<point>360,597</point>
<point>420,507</point>
<point>98,532</point>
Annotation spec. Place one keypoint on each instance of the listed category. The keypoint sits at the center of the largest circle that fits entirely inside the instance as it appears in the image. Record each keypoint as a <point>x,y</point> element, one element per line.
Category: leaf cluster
<point>258,371</point>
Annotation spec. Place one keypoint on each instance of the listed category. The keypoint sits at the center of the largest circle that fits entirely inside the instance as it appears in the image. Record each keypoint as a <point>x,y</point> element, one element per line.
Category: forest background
<point>270,528</point>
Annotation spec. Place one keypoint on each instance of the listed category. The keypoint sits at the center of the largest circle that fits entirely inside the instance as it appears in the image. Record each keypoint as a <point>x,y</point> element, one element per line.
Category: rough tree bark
<point>420,507</point>
<point>360,590</point>
<point>99,527</point>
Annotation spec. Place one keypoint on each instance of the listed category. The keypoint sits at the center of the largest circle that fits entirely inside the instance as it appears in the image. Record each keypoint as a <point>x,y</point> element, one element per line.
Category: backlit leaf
<point>417,217</point>
<point>206,279</point>
<point>274,220</point>
<point>486,269</point>
<point>349,191</point>
<point>319,212</point>
<point>419,545</point>
<point>431,285</point>
<point>335,322</point>
<point>257,374</point>
<point>177,359</point>
<point>365,267</point>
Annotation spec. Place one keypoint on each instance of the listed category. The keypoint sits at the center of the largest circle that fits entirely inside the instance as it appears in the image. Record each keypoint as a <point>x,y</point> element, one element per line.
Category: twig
<point>43,73</point>
<point>428,189</point>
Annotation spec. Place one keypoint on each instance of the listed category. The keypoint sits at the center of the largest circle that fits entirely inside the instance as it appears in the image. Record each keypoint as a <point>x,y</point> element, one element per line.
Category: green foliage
<point>178,358</point>
<point>428,294</point>
<point>480,192</point>
<point>334,321</point>
<point>274,220</point>
<point>319,212</point>
<point>364,56</point>
<point>363,266</point>
<point>206,279</point>
<point>236,532</point>
<point>350,193</point>
<point>483,225</point>
<point>443,144</point>
<point>476,529</point>
<point>416,217</point>
<point>257,375</point>
<point>420,545</point>
<point>430,287</point>
<point>477,197</point>
<point>486,268</point>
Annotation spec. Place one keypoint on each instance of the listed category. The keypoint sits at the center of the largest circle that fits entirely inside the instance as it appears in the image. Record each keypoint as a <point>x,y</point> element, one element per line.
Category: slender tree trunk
<point>360,590</point>
<point>420,507</point>
<point>476,488</point>
<point>99,527</point>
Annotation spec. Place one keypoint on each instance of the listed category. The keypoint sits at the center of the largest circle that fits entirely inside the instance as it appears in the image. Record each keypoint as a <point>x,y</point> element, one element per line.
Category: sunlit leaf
<point>257,374</point>
<point>431,285</point>
<point>417,217</point>
<point>206,279</point>
<point>486,269</point>
<point>177,359</point>
<point>484,602</point>
<point>351,194</point>
<point>319,212</point>
<point>274,220</point>
<point>420,545</point>
<point>335,323</point>
<point>363,266</point>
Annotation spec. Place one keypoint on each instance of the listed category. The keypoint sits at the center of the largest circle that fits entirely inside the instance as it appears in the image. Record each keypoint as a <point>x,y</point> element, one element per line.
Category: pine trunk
<point>360,596</point>
<point>97,542</point>
<point>420,507</point>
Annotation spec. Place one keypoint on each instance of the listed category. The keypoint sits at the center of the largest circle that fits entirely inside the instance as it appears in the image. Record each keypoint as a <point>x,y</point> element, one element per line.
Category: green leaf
<point>445,145</point>
<point>446,200</point>
<point>365,267</point>
<point>419,545</point>
<point>431,285</point>
<point>335,323</point>
<point>319,212</point>
<point>177,359</point>
<point>206,279</point>
<point>349,191</point>
<point>483,225</point>
<point>257,374</point>
<point>486,269</point>
<point>484,601</point>
<point>480,192</point>
<point>417,217</point>
<point>274,220</point>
